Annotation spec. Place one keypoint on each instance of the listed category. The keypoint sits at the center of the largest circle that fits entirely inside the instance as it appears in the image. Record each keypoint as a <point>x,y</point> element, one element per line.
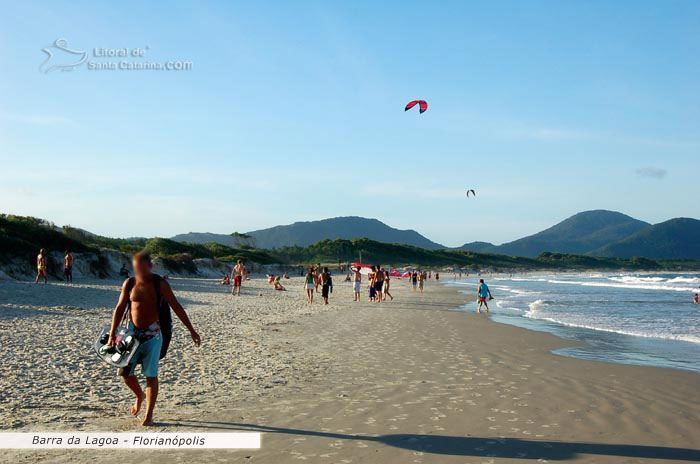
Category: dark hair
<point>143,257</point>
<point>481,281</point>
<point>67,251</point>
<point>325,269</point>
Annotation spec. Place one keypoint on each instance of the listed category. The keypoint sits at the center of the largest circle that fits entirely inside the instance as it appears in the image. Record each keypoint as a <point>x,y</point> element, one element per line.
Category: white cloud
<point>651,172</point>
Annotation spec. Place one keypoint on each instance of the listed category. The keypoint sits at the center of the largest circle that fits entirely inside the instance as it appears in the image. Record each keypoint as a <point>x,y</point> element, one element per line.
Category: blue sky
<point>294,111</point>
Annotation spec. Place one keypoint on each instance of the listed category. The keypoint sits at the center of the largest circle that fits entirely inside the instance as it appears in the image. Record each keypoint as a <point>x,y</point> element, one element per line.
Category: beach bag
<point>165,318</point>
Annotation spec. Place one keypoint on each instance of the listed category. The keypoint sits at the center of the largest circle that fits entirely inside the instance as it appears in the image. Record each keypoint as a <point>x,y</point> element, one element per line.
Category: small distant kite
<point>422,104</point>
<point>472,192</point>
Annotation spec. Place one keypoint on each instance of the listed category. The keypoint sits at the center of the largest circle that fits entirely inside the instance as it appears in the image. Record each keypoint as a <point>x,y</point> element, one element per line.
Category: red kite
<point>422,104</point>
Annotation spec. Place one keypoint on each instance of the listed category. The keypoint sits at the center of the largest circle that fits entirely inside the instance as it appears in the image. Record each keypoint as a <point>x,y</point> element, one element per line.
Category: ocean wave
<point>633,333</point>
<point>637,280</point>
<point>503,305</point>
<point>623,285</point>
<point>685,280</point>
<point>536,306</point>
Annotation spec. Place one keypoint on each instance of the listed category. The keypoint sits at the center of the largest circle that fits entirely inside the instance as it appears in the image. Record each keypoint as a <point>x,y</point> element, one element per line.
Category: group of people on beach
<point>318,277</point>
<point>42,266</point>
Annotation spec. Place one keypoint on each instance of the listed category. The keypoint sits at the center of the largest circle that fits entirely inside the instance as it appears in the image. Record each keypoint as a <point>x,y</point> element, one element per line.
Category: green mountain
<point>580,234</point>
<point>234,240</point>
<point>478,246</point>
<point>348,228</point>
<point>675,238</point>
<point>21,238</point>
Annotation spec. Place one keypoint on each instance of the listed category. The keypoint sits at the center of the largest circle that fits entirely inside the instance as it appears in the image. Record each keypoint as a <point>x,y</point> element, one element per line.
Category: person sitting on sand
<point>278,285</point>
<point>484,294</point>
<point>285,275</point>
<point>139,296</point>
<point>226,280</point>
<point>41,267</point>
<point>68,266</point>
<point>270,279</point>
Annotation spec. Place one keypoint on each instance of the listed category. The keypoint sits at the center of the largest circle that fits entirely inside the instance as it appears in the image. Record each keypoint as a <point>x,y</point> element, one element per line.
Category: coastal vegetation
<point>21,237</point>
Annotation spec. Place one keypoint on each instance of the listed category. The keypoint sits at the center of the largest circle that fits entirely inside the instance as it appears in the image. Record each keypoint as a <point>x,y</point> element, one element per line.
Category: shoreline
<point>572,307</point>
<point>406,381</point>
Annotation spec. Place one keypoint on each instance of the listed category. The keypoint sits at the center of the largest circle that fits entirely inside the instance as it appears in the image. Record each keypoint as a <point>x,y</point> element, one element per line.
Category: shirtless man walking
<point>68,266</point>
<point>41,266</point>
<point>140,297</point>
<point>238,274</point>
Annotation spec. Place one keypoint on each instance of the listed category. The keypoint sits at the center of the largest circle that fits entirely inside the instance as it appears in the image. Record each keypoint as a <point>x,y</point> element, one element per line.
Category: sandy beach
<point>408,381</point>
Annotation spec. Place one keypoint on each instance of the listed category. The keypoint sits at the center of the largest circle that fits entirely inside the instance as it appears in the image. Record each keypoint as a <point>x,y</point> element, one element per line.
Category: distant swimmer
<point>68,266</point>
<point>484,294</point>
<point>41,267</point>
<point>141,303</point>
<point>695,298</point>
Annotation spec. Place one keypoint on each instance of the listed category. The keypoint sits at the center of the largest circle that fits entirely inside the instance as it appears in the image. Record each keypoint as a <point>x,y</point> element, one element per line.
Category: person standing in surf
<point>484,294</point>
<point>142,297</point>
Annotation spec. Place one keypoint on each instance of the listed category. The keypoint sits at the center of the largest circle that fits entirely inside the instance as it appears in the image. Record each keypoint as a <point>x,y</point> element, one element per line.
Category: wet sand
<point>400,382</point>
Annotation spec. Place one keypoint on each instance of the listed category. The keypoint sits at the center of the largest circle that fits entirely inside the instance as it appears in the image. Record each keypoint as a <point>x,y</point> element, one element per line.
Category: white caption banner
<point>47,440</point>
